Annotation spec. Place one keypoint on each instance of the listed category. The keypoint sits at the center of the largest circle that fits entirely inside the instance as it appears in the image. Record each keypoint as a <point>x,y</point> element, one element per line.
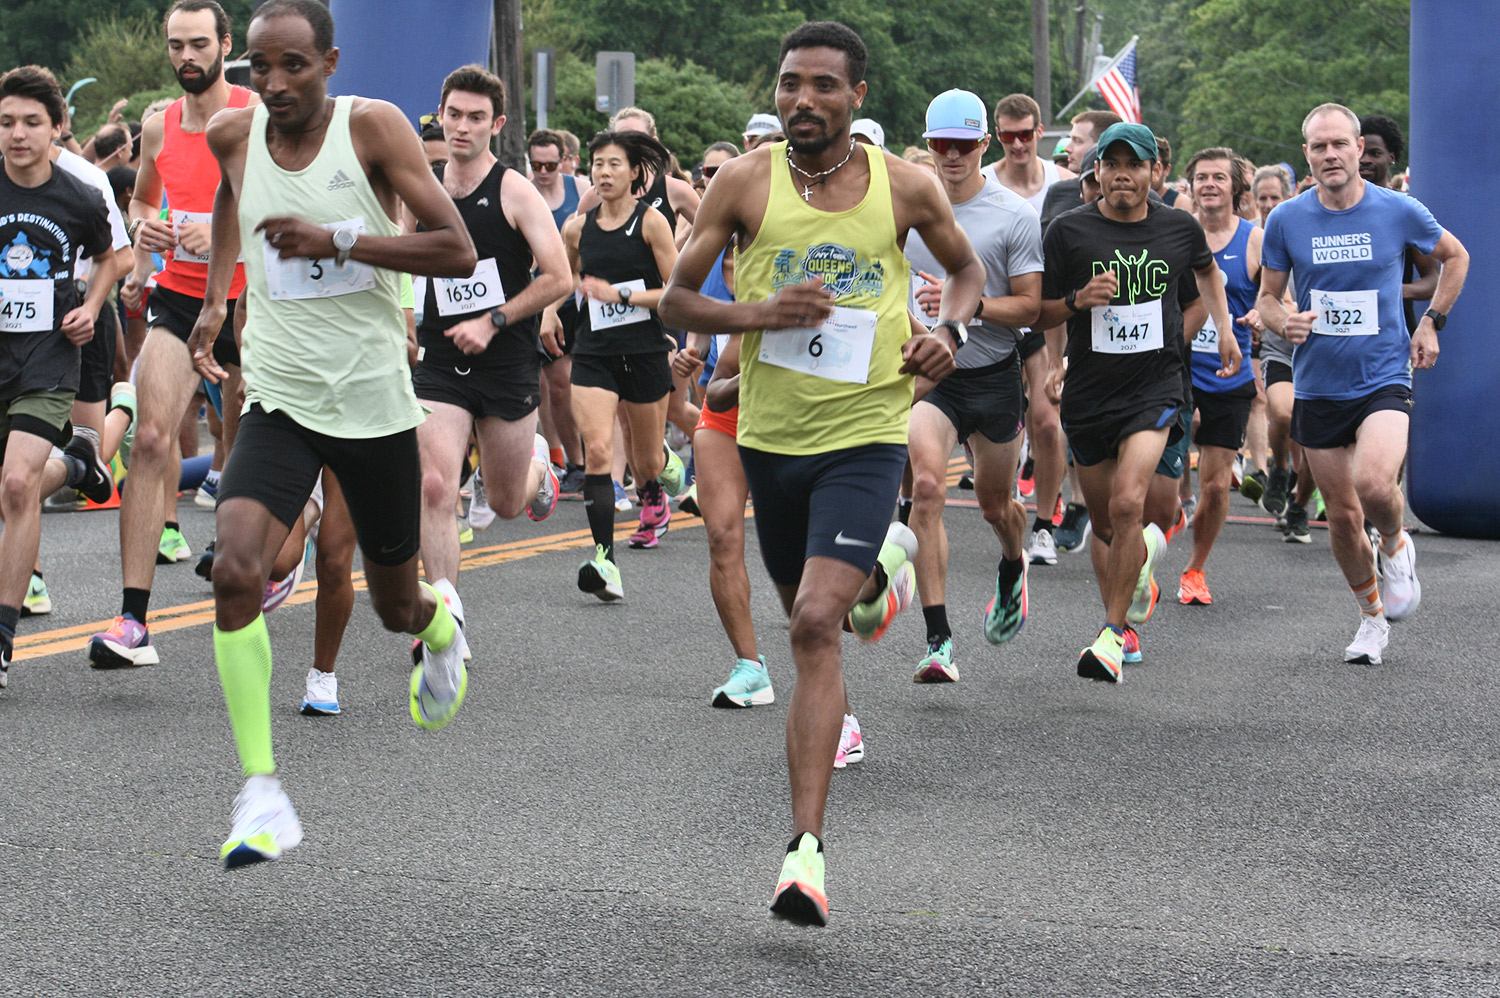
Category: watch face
<point>343,239</point>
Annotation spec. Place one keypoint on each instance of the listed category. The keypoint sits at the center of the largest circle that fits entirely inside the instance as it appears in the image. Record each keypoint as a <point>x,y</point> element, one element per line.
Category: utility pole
<point>506,58</point>
<point>1079,49</point>
<point>1041,58</point>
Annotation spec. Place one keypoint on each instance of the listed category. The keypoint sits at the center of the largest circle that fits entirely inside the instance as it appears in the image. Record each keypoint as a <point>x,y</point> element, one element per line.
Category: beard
<point>810,146</point>
<point>207,78</point>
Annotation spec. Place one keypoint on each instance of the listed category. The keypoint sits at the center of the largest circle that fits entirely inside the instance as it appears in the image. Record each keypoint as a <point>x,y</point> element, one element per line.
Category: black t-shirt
<point>504,252</point>
<point>619,256</point>
<point>44,231</point>
<point>1137,360</point>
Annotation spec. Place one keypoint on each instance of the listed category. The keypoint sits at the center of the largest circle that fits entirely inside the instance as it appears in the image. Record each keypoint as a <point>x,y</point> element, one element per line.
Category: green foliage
<point>126,55</point>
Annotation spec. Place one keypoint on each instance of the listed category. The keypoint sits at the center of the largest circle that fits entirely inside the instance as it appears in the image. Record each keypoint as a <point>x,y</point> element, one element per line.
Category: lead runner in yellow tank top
<point>309,187</point>
<point>826,383</point>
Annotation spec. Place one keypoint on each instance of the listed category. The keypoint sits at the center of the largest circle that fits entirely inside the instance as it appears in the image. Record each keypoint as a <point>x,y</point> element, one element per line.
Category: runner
<point>619,251</point>
<point>1018,129</point>
<point>49,222</point>
<point>1223,404</point>
<point>176,165</point>
<point>479,368</point>
<point>981,404</point>
<point>327,381</point>
<point>1113,272</point>
<point>1347,244</point>
<point>1273,185</point>
<point>826,394</point>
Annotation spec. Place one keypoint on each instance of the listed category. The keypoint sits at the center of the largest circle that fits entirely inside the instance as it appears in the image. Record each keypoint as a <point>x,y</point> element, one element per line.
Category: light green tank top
<point>324,344</point>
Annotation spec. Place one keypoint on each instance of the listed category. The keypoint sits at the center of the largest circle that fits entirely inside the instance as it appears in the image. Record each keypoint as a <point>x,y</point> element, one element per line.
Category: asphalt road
<point>1244,815</point>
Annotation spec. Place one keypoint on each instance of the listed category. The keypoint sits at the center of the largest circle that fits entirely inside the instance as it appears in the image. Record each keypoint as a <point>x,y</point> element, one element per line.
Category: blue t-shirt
<point>1341,259</point>
<point>714,287</point>
<point>1239,292</point>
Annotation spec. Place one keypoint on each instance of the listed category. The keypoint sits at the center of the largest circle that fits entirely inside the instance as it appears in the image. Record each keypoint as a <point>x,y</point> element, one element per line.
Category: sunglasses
<point>709,171</point>
<point>1025,135</point>
<point>964,146</point>
<point>537,167</point>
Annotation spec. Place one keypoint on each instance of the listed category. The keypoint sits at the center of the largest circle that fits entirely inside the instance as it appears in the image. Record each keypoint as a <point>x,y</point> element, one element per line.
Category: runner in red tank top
<point>178,169</point>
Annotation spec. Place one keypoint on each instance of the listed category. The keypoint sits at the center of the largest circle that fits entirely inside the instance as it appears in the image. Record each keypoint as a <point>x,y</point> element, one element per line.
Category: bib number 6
<point>815,346</point>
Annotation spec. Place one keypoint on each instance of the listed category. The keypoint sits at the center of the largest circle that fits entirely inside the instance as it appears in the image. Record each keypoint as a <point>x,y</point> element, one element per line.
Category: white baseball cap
<point>870,129</point>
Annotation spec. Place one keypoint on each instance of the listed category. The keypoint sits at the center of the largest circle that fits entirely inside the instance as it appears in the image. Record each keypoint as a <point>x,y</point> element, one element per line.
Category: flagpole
<point>1119,57</point>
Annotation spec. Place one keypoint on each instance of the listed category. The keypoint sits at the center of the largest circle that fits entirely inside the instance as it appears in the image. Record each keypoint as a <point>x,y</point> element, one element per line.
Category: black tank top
<point>617,256</point>
<point>497,244</point>
<point>656,197</point>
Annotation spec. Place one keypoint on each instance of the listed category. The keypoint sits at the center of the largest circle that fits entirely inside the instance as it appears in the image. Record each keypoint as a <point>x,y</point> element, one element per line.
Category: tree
<point>126,56</point>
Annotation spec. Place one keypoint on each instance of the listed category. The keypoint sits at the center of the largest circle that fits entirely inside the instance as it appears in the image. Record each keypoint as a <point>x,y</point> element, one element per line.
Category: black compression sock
<point>599,503</point>
<point>1010,571</point>
<point>10,616</point>
<point>937,622</point>
<point>171,525</point>
<point>1041,524</point>
<point>134,602</point>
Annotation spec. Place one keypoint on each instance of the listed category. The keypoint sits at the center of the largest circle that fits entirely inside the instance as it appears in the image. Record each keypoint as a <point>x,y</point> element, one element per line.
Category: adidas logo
<point>340,182</point>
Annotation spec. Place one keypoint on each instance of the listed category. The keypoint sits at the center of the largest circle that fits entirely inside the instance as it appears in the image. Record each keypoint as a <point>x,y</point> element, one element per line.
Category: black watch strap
<point>1439,319</point>
<point>498,319</point>
<point>1072,301</point>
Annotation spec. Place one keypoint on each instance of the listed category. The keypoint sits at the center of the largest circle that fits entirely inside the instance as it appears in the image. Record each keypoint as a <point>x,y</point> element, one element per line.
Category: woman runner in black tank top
<point>621,252</point>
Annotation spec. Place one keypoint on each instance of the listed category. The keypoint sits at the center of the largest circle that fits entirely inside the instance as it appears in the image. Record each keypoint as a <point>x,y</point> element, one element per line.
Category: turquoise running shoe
<point>938,666</point>
<point>1007,611</point>
<point>749,686</point>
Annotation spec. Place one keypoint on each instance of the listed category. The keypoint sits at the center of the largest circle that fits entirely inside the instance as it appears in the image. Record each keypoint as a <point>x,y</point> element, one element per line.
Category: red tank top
<point>190,178</point>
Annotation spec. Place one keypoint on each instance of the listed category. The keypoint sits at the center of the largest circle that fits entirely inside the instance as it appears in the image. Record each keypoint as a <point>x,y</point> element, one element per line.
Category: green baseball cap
<point>1138,137</point>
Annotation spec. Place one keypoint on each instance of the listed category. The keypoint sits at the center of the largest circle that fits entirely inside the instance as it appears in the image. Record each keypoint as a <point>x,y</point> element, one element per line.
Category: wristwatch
<point>1072,301</point>
<point>343,243</point>
<point>624,294</point>
<point>960,335</point>
<point>979,311</point>
<point>1439,319</point>
<point>498,318</point>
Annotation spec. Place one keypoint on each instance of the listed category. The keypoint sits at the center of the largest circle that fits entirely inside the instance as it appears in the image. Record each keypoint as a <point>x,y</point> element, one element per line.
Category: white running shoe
<point>480,514</point>
<point>851,744</point>
<point>322,696</point>
<point>545,501</point>
<point>277,592</point>
<point>265,825</point>
<point>1403,590</point>
<point>1369,642</point>
<point>1043,549</point>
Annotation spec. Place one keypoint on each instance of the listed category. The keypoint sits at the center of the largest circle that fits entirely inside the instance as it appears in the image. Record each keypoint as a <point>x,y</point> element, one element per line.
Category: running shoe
<point>1043,550</point>
<point>644,538</point>
<point>97,482</point>
<point>689,502</point>
<point>749,686</point>
<point>1402,593</point>
<point>322,696</point>
<point>1277,489</point>
<point>622,500</point>
<point>1057,513</point>
<point>1192,589</point>
<point>966,483</point>
<point>264,824</point>
<point>208,495</point>
<point>1296,525</point>
<point>205,567</point>
<point>1070,533</point>
<point>173,547</point>
<point>433,704</point>
<point>1236,471</point>
<point>673,477</point>
<point>851,744</point>
<point>127,643</point>
<point>277,591</point>
<point>1143,602</point>
<point>570,485</point>
<point>1026,481</point>
<point>937,666</point>
<point>545,501</point>
<point>122,396</point>
<point>799,893</point>
<point>1189,507</point>
<point>480,513</point>
<point>1132,647</point>
<point>1373,536</point>
<point>1318,506</point>
<point>656,514</point>
<point>5,655</point>
<point>1104,659</point>
<point>870,620</point>
<point>601,577</point>
<point>465,530</point>
<point>37,603</point>
<point>1007,611</point>
<point>1181,524</point>
<point>1369,641</point>
<point>1254,487</point>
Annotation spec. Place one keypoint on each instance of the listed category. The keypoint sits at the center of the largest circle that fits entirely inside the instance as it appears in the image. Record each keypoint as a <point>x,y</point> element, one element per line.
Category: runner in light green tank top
<point>326,374</point>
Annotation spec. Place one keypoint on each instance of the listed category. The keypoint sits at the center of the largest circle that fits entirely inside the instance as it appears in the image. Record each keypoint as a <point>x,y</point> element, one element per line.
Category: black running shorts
<point>1324,424</point>
<point>509,393</point>
<point>1223,417</point>
<point>640,378</point>
<point>986,400</point>
<point>1091,443</point>
<point>177,313</point>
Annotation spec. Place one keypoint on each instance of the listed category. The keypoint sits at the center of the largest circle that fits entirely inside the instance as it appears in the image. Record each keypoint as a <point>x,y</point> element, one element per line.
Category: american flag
<point>1118,86</point>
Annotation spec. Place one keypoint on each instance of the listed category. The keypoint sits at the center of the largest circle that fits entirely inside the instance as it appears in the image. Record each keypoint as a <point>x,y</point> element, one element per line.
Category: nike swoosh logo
<point>1231,256</point>
<point>630,230</point>
<point>840,539</point>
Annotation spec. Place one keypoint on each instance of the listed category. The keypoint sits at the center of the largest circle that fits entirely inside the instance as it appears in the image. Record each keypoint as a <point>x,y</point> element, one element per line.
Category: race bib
<point>181,218</point>
<point>609,314</point>
<point>838,350</point>
<point>299,277</point>
<point>1127,328</point>
<point>1207,340</point>
<point>479,292</point>
<point>1346,313</point>
<point>26,306</point>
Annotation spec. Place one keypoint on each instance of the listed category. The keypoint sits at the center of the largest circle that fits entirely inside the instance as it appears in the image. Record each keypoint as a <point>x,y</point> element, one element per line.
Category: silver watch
<point>343,242</point>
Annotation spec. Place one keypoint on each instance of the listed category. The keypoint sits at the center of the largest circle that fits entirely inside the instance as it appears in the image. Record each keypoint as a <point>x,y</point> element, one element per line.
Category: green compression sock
<point>441,629</point>
<point>244,658</point>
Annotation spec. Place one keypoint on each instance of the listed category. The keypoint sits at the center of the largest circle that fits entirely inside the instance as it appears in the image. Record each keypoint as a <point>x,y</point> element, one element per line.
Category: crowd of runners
<point>383,323</point>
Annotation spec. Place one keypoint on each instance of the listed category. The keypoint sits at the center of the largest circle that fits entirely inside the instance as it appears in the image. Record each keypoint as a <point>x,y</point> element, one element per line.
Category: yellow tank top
<point>324,344</point>
<point>794,411</point>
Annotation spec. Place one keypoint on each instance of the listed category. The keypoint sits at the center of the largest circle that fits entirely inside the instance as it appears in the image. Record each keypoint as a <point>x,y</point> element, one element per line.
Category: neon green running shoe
<point>673,477</point>
<point>1315,503</point>
<point>37,601</point>
<point>428,709</point>
<point>1146,591</point>
<point>465,530</point>
<point>265,824</point>
<point>173,547</point>
<point>799,893</point>
<point>869,621</point>
<point>601,577</point>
